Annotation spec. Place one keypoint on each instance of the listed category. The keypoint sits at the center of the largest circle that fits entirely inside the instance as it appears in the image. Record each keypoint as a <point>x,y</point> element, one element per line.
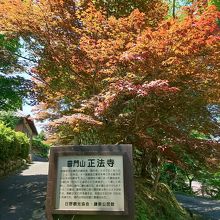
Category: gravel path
<point>209,209</point>
<point>22,196</point>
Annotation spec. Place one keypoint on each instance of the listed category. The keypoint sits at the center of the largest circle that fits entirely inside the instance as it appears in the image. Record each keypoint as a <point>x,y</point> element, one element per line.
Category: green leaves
<point>198,135</point>
<point>13,144</point>
<point>13,89</point>
<point>216,3</point>
<point>39,145</point>
<point>11,44</point>
<point>9,118</point>
<point>9,48</point>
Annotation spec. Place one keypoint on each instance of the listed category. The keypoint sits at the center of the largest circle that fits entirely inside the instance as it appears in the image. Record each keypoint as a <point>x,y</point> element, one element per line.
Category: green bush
<point>23,144</point>
<point>13,144</point>
<point>9,118</point>
<point>39,146</point>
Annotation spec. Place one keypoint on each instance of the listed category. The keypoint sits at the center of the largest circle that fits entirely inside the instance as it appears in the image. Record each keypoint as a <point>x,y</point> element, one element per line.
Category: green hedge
<point>40,147</point>
<point>13,144</point>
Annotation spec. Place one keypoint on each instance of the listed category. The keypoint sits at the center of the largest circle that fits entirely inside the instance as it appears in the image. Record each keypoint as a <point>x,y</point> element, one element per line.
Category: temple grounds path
<point>22,195</point>
<point>209,209</point>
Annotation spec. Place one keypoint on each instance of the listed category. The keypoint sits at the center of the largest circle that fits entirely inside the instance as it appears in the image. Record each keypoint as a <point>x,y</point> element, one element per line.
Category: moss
<point>153,206</point>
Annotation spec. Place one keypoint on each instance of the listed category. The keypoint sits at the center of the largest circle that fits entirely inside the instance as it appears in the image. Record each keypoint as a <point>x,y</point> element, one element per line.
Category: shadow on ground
<point>23,197</point>
<point>39,158</point>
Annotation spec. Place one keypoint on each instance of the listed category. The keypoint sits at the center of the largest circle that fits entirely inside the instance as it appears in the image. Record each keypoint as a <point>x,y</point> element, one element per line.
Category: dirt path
<point>22,196</point>
<point>209,209</point>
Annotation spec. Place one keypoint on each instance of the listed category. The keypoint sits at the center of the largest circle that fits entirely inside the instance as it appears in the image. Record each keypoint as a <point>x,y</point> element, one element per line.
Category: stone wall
<point>10,166</point>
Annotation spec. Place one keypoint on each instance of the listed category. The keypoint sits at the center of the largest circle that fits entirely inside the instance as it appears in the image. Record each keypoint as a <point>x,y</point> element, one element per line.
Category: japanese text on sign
<point>91,183</point>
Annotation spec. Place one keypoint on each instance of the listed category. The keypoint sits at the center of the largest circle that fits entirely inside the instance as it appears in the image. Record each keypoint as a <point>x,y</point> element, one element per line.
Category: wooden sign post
<point>90,182</point>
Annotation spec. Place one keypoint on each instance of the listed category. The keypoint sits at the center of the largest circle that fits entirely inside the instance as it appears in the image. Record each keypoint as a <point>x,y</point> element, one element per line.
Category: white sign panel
<point>90,183</point>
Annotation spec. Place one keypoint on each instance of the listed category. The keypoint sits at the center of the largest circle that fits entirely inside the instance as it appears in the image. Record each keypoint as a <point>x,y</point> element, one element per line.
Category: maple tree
<point>126,76</point>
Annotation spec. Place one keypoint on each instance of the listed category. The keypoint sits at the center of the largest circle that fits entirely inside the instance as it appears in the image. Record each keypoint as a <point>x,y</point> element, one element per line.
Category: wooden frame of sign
<point>91,182</point>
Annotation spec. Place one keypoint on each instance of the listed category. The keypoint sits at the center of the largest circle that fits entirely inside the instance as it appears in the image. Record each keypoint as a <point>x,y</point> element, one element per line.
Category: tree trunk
<point>190,183</point>
<point>144,164</point>
<point>160,162</point>
<point>174,8</point>
<point>156,181</point>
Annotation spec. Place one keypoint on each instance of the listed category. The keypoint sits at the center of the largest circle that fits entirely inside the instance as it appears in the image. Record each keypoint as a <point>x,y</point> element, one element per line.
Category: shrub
<point>13,144</point>
<point>39,146</point>
<point>23,144</point>
<point>9,118</point>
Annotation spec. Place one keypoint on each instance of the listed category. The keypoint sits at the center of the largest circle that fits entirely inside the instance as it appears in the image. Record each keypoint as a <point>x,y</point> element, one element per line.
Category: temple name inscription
<point>90,183</point>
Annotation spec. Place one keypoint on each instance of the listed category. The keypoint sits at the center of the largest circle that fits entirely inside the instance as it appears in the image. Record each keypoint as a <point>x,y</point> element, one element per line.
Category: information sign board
<point>95,182</point>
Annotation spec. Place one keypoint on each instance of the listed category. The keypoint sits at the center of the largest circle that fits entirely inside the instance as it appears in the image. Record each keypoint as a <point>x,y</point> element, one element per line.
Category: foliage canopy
<point>125,75</point>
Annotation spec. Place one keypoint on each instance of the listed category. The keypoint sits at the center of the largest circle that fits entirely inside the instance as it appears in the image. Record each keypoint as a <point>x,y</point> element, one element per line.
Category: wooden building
<point>26,125</point>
